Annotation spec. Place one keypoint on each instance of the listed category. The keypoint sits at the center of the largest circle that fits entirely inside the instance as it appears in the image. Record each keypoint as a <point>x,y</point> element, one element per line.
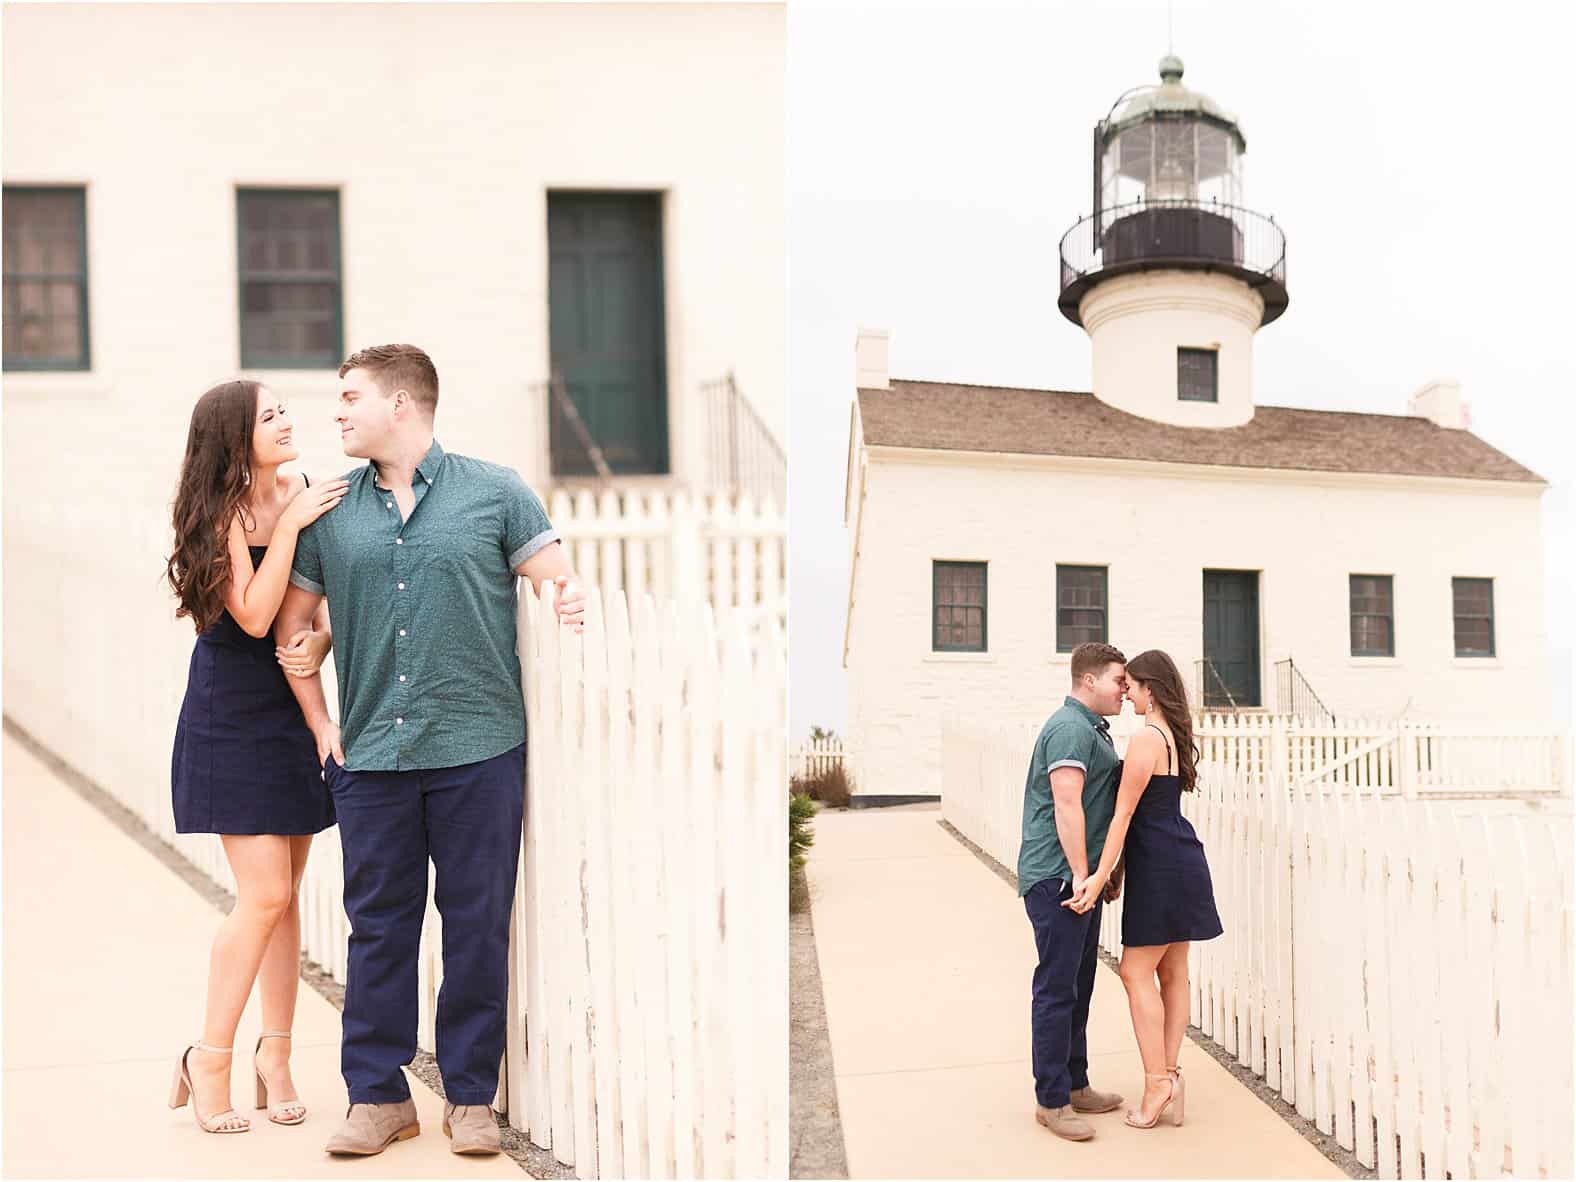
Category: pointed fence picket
<point>655,816</point>
<point>1399,970</point>
<point>654,837</point>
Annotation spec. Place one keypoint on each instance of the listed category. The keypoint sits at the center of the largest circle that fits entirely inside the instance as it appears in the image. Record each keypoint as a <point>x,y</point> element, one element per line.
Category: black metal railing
<point>1294,696</point>
<point>743,456</point>
<point>1213,692</point>
<point>1192,235</point>
<point>573,451</point>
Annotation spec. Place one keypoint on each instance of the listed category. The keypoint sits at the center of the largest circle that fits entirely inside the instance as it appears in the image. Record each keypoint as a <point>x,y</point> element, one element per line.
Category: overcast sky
<point>1417,155</point>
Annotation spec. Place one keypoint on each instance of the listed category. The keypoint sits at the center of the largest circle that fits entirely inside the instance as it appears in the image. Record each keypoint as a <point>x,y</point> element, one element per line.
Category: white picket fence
<point>648,1006</point>
<point>1413,758</point>
<point>816,757</point>
<point>727,550</point>
<point>1400,971</point>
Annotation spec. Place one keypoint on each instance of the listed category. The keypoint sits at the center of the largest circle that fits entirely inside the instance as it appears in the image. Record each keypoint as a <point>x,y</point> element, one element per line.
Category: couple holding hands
<point>1094,825</point>
<point>418,550</point>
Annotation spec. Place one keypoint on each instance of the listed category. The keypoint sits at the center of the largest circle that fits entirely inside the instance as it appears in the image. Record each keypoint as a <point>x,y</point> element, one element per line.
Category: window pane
<point>45,278</point>
<point>959,620</point>
<point>1196,373</point>
<point>1081,606</point>
<point>290,282</point>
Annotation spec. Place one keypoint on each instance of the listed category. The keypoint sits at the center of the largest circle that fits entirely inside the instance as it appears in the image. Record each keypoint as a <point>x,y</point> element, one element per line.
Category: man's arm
<point>551,565</point>
<point>295,613</point>
<point>1067,783</point>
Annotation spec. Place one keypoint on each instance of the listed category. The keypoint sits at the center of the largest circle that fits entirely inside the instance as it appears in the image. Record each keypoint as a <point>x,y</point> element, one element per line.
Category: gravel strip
<point>816,1130</point>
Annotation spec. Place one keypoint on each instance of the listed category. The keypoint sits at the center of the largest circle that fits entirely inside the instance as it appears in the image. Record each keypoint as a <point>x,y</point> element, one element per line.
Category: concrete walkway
<point>926,956</point>
<point>106,959</point>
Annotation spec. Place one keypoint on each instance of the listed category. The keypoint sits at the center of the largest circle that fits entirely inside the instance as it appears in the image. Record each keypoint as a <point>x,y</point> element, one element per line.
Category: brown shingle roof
<point>954,417</point>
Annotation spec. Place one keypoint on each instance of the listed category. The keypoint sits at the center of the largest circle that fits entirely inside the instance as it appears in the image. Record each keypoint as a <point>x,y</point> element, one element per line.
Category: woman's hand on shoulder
<point>312,502</point>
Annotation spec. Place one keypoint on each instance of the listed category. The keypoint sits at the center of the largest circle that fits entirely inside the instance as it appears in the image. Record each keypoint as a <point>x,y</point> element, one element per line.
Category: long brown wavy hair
<point>1159,674</point>
<point>214,483</point>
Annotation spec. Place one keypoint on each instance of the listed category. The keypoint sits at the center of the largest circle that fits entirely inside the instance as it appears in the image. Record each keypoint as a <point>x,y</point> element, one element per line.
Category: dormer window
<point>1198,375</point>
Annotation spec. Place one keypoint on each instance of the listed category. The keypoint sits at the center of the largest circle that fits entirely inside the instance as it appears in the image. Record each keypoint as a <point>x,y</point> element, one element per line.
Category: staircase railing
<point>742,454</point>
<point>1212,687</point>
<point>564,407</point>
<point>1293,695</point>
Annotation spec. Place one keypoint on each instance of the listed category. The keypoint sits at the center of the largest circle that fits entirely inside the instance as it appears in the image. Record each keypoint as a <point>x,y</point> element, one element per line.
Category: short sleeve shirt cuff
<point>521,553</point>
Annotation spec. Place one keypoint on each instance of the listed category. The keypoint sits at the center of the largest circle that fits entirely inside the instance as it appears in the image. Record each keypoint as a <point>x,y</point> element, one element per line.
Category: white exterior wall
<point>1136,324</point>
<point>1157,527</point>
<point>443,126</point>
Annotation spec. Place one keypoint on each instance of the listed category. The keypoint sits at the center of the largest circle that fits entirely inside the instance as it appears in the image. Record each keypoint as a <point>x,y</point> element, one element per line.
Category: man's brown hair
<point>399,367</point>
<point>1092,657</point>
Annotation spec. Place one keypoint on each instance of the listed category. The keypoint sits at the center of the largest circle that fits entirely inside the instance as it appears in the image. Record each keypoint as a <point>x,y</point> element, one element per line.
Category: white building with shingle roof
<point>1309,561</point>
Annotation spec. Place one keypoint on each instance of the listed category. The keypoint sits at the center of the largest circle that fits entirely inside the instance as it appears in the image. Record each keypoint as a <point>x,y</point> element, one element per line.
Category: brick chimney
<point>1440,403</point>
<point>870,360</point>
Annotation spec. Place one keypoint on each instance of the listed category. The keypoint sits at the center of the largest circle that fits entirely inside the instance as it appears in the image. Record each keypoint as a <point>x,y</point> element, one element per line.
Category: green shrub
<point>831,787</point>
<point>801,810</point>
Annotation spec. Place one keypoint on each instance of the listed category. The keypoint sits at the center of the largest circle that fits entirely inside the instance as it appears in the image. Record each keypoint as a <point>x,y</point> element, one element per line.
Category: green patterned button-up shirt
<point>424,611</point>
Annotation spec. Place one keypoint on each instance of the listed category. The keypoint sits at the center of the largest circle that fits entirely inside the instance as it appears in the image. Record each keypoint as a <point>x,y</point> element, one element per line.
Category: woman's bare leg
<point>278,980</point>
<point>1143,1002</point>
<point>261,865</point>
<point>1172,971</point>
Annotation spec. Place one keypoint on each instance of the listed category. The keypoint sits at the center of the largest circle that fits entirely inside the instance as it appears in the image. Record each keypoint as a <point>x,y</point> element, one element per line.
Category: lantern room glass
<point>1171,159</point>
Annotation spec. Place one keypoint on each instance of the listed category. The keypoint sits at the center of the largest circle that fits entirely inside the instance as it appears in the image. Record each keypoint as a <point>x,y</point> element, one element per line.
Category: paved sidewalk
<point>106,959</point>
<point>925,957</point>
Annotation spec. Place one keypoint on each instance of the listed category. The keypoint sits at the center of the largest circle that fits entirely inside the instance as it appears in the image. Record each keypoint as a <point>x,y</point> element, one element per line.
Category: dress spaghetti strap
<point>1169,753</point>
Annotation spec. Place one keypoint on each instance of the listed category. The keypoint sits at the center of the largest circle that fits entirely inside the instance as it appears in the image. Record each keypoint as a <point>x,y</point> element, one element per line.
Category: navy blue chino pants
<point>467,820</point>
<point>1069,951</point>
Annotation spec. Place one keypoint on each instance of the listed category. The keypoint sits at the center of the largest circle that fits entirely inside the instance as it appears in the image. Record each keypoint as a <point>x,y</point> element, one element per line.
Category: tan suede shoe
<point>1086,1099</point>
<point>372,1128</point>
<point>471,1128</point>
<point>1064,1123</point>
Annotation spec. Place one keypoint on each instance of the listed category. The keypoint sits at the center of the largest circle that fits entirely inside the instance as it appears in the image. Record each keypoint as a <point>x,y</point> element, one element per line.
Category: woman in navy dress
<point>244,764</point>
<point>1170,901</point>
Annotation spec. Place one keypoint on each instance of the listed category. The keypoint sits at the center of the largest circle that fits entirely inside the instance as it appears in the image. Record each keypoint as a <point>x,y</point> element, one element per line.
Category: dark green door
<point>606,329</point>
<point>1231,637</point>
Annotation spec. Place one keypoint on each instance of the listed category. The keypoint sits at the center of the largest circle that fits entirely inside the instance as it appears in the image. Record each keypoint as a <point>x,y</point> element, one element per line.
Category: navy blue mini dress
<point>1166,888</point>
<point>244,760</point>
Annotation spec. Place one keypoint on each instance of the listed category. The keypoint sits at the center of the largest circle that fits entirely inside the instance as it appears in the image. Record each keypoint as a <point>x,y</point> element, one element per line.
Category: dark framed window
<point>1372,599</point>
<point>290,279</point>
<point>958,615</point>
<point>45,277</point>
<point>1080,606</point>
<point>1474,616</point>
<point>1198,375</point>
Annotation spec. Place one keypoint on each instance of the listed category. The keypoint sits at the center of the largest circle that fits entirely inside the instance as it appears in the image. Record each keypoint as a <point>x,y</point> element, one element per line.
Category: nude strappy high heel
<point>1173,1102</point>
<point>289,1112</point>
<point>228,1121</point>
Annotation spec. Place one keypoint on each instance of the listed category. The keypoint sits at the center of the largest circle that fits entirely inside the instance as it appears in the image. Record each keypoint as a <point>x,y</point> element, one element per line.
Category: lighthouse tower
<point>1171,275</point>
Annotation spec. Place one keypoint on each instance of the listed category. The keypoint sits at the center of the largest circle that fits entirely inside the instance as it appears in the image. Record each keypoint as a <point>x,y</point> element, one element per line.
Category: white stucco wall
<point>1136,324</point>
<point>1157,527</point>
<point>443,126</point>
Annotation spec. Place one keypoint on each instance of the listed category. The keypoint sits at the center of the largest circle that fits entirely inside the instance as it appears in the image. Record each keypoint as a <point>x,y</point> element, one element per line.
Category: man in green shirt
<point>419,563</point>
<point>1069,799</point>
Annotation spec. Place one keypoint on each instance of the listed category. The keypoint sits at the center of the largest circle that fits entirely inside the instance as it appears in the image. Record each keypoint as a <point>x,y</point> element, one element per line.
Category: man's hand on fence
<point>571,602</point>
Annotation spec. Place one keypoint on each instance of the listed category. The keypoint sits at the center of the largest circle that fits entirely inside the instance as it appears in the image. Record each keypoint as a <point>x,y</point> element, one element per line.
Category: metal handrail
<point>1294,694</point>
<point>1263,242</point>
<point>744,453</point>
<point>1206,666</point>
<point>566,407</point>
